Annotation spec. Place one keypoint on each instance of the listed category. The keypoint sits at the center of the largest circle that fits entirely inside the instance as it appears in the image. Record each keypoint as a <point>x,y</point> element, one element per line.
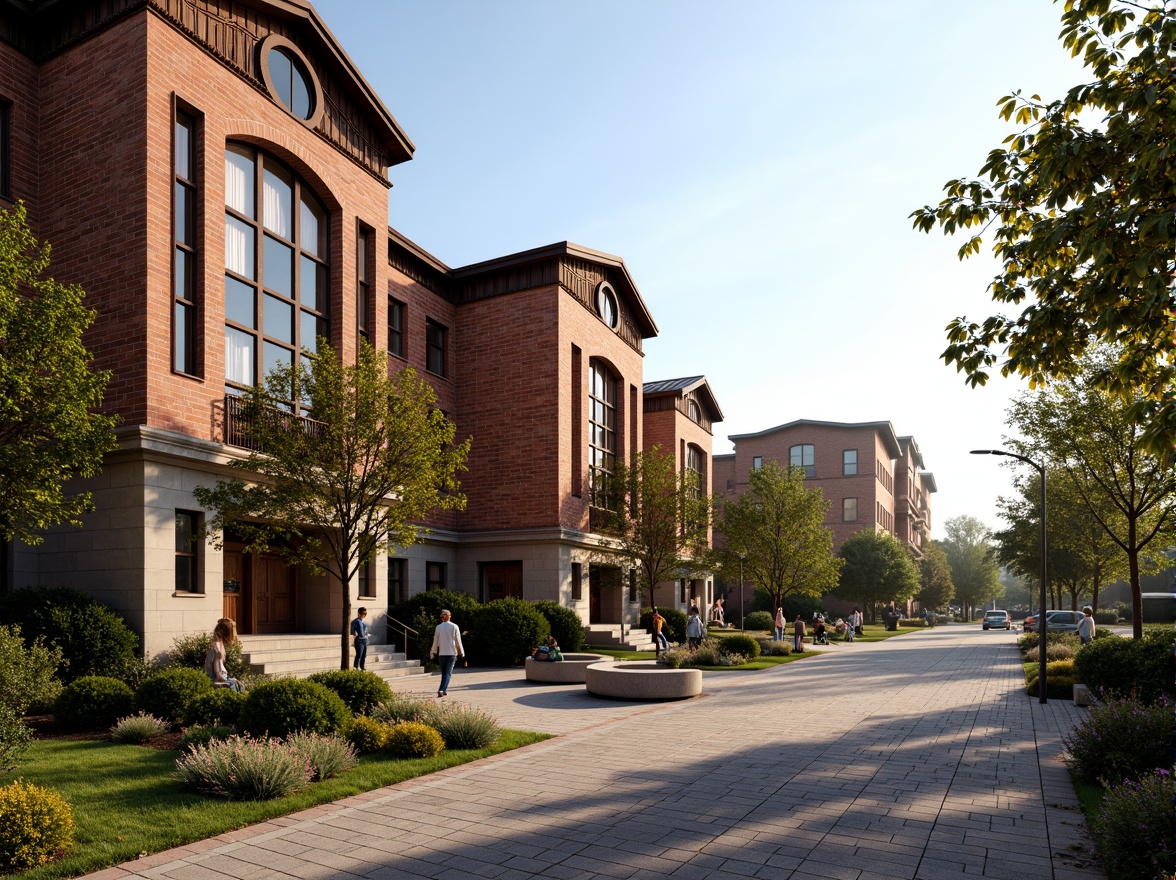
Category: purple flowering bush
<point>1121,739</point>
<point>1135,828</point>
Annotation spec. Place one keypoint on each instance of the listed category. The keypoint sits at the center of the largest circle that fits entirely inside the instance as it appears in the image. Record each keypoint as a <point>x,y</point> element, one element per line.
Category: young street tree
<point>50,430</point>
<point>974,570</point>
<point>877,569</point>
<point>661,518</point>
<point>778,528</point>
<point>935,586</point>
<point>1082,199</point>
<point>1096,438</point>
<point>334,492</point>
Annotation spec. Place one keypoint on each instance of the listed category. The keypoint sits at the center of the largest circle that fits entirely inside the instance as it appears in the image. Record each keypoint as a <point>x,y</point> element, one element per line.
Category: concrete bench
<point>642,680</point>
<point>569,670</point>
<point>1083,696</point>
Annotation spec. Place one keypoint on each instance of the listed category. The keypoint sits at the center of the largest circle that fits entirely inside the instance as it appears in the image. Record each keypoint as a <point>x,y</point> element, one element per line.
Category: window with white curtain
<point>276,267</point>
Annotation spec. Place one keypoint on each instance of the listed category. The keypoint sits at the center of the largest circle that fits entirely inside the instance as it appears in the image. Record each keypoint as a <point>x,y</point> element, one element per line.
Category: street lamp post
<point>742,556</point>
<point>1041,628</point>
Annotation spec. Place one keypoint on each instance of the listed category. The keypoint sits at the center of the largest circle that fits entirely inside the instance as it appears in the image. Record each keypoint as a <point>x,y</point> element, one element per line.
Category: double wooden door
<point>259,591</point>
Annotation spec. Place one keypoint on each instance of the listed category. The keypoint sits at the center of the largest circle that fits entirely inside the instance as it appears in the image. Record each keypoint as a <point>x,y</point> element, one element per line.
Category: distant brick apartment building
<point>214,173</point>
<point>870,477</point>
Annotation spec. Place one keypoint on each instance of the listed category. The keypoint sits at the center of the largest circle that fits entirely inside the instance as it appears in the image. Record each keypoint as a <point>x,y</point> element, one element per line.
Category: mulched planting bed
<point>43,727</point>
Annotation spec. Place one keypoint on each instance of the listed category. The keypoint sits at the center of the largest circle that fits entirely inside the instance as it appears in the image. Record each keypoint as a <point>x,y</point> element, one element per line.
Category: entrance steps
<point>608,635</point>
<point>300,655</point>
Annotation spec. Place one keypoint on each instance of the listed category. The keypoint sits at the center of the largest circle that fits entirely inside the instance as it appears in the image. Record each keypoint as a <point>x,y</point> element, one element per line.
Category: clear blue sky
<point>753,162</point>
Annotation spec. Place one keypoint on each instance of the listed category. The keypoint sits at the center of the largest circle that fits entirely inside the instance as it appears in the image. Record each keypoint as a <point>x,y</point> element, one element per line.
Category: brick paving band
<point>918,757</point>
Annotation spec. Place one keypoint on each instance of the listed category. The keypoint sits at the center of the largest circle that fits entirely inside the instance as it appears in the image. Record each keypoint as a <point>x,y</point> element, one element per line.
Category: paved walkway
<point>918,757</point>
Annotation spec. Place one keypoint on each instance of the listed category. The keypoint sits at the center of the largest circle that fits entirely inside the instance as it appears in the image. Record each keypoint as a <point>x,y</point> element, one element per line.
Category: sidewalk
<point>917,757</point>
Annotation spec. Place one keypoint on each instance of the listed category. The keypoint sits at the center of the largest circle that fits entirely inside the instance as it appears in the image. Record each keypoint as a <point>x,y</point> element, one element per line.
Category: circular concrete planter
<point>642,680</point>
<point>569,670</point>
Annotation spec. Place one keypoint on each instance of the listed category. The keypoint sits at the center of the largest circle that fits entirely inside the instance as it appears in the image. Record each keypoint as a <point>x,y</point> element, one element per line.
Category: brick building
<point>215,175</point>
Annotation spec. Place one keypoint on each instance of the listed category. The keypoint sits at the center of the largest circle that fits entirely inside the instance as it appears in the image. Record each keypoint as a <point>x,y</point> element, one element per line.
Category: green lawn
<point>125,800</point>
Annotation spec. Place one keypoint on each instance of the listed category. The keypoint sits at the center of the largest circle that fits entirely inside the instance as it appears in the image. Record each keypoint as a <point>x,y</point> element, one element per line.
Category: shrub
<point>202,735</point>
<point>674,658</point>
<point>15,739</point>
<point>35,824</point>
<point>242,768</point>
<point>464,727</point>
<point>772,648</point>
<point>711,653</point>
<point>566,625</point>
<point>759,620</point>
<point>912,621</point>
<point>739,643</point>
<point>1125,666</point>
<point>1121,739</point>
<point>1060,687</point>
<point>327,756</point>
<point>411,739</point>
<point>402,708</point>
<point>367,734</point>
<point>1134,828</point>
<point>167,694</point>
<point>285,705</point>
<point>216,706</point>
<point>93,701</point>
<point>1058,652</point>
<point>362,691</point>
<point>1123,612</point>
<point>1028,643</point>
<point>29,669</point>
<point>191,651</point>
<point>94,640</point>
<point>504,631</point>
<point>138,728</point>
<point>674,627</point>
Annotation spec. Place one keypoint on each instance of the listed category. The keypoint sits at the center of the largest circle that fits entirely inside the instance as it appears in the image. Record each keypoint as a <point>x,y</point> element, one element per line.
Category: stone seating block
<point>569,670</point>
<point>1083,696</point>
<point>642,680</point>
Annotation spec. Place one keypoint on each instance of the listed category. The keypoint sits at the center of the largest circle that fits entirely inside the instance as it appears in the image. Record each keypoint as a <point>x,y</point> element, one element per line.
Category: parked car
<point>997,620</point>
<point>1055,621</point>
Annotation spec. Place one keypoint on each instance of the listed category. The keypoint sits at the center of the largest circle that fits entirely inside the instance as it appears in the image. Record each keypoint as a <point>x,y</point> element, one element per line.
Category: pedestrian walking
<point>695,629</point>
<point>1086,626</point>
<point>779,633</point>
<point>359,638</point>
<point>798,635</point>
<point>447,648</point>
<point>660,642</point>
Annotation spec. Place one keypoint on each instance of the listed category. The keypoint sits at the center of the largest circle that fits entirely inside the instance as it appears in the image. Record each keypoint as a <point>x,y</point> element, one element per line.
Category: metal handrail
<point>405,629</point>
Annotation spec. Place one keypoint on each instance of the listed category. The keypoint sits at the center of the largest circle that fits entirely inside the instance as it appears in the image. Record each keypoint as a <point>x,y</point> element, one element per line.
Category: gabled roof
<point>883,429</point>
<point>681,387</point>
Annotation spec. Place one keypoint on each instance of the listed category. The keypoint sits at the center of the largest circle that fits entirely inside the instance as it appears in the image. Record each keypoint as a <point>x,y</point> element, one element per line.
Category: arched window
<point>276,266</point>
<point>693,411</point>
<point>602,431</point>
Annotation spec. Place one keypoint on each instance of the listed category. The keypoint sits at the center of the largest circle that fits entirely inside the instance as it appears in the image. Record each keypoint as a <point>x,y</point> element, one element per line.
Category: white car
<point>997,620</point>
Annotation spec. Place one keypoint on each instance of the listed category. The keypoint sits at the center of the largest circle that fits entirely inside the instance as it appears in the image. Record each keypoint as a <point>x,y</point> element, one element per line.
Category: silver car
<point>1062,621</point>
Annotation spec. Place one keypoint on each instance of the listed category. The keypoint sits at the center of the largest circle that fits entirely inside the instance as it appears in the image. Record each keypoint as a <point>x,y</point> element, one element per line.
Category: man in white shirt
<point>1086,626</point>
<point>446,649</point>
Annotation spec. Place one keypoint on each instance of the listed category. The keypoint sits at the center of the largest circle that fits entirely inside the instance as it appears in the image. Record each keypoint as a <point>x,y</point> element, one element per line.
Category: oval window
<point>606,304</point>
<point>289,78</point>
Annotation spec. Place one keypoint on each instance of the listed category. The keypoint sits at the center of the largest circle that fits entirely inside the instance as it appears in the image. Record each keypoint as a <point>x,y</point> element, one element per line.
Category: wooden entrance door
<point>502,579</point>
<point>273,594</point>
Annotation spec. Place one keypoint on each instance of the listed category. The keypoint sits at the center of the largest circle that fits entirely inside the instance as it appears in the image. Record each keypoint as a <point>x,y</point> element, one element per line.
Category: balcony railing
<point>239,427</point>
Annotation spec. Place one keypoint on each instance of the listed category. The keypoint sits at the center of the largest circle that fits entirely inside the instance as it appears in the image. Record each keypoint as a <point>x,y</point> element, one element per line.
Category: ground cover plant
<point>1134,828</point>
<point>125,798</point>
<point>1121,739</point>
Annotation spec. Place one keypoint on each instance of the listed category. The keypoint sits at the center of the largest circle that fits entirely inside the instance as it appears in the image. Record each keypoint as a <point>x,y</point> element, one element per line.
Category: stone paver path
<point>918,757</point>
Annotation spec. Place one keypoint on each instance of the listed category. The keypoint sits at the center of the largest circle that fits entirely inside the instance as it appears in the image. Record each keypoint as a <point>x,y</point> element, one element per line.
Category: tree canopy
<point>660,518</point>
<point>50,428</point>
<point>935,586</point>
<point>778,526</point>
<point>972,558</point>
<point>877,569</point>
<point>1083,201</point>
<point>356,481</point>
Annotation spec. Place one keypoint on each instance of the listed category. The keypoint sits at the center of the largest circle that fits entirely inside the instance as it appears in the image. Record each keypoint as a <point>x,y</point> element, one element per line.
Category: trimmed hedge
<point>504,631</point>
<point>285,705</point>
<point>761,621</point>
<point>566,625</point>
<point>93,701</point>
<point>1123,667</point>
<point>674,627</point>
<point>217,707</point>
<point>167,694</point>
<point>741,643</point>
<point>360,690</point>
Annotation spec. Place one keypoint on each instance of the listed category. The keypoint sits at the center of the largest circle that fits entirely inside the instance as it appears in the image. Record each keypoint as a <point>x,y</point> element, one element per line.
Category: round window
<point>289,78</point>
<point>606,303</point>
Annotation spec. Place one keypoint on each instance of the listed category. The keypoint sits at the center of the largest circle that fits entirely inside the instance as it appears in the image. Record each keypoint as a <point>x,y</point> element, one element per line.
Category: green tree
<point>660,518</point>
<point>877,569</point>
<point>1082,197</point>
<point>778,527</point>
<point>935,586</point>
<point>50,429</point>
<point>334,492</point>
<point>1096,438</point>
<point>972,558</point>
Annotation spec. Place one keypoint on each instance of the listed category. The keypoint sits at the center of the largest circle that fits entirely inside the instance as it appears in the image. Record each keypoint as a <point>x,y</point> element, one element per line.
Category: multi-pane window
<point>276,267</point>
<point>184,250</point>
<point>693,411</point>
<point>602,431</point>
<point>366,581</point>
<point>436,339</point>
<point>849,462</point>
<point>396,591</point>
<point>803,456</point>
<point>395,327</point>
<point>187,527</point>
<point>292,82</point>
<point>696,467</point>
<point>849,510</point>
<point>363,288</point>
<point>434,575</point>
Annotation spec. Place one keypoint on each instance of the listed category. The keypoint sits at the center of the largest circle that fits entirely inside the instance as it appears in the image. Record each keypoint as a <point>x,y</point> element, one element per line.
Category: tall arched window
<point>276,266</point>
<point>602,431</point>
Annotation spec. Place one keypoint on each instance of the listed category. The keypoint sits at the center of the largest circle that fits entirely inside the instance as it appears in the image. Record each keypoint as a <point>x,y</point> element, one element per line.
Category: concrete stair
<point>300,655</point>
<point>608,635</point>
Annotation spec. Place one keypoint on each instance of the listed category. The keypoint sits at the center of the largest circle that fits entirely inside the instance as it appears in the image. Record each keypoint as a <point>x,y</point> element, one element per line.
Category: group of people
<point>848,627</point>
